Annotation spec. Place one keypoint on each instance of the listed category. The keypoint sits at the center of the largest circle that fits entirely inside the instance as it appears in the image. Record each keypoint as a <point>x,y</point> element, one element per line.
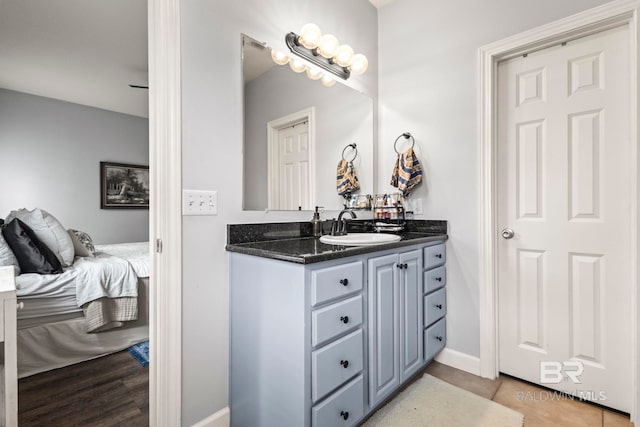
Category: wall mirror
<point>295,132</point>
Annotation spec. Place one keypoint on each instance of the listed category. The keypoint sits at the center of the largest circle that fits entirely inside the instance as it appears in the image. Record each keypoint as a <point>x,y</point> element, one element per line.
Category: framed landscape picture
<point>124,186</point>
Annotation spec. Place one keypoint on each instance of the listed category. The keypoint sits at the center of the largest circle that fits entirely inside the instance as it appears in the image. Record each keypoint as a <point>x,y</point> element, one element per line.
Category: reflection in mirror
<point>295,131</point>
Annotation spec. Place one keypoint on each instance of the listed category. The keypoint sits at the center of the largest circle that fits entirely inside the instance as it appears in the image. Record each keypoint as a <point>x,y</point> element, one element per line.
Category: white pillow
<point>49,230</point>
<point>7,257</point>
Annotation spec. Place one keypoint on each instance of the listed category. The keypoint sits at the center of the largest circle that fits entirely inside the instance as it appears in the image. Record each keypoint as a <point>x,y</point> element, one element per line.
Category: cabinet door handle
<point>344,282</point>
<point>405,265</point>
<point>439,256</point>
<point>344,319</point>
<point>439,338</point>
<point>438,306</point>
<point>438,279</point>
<point>344,363</point>
<point>344,415</point>
<point>20,305</point>
<point>399,266</point>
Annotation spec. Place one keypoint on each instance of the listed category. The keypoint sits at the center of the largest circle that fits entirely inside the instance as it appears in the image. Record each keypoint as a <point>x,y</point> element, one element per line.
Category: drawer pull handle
<point>439,338</point>
<point>344,319</point>
<point>344,363</point>
<point>438,306</point>
<point>344,282</point>
<point>344,415</point>
<point>439,256</point>
<point>20,305</point>
<point>438,279</point>
<point>401,266</point>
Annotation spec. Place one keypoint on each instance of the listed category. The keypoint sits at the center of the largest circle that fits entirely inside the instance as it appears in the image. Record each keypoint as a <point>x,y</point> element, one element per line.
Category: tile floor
<point>534,403</point>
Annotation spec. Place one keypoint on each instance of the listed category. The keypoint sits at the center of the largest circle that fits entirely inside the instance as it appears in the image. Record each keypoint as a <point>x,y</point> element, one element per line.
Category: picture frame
<point>124,186</point>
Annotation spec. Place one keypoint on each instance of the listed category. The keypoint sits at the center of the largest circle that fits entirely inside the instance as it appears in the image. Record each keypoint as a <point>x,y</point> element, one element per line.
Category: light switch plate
<point>199,202</point>
<point>417,207</point>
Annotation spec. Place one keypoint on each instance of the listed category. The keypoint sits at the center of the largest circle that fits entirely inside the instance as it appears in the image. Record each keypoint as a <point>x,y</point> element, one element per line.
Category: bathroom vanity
<point>323,335</point>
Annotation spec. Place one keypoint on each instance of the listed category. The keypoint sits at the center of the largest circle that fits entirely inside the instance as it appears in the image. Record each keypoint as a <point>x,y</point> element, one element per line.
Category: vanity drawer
<point>334,282</point>
<point>335,363</point>
<point>434,279</point>
<point>435,306</point>
<point>434,256</point>
<point>435,338</point>
<point>335,319</point>
<point>343,408</point>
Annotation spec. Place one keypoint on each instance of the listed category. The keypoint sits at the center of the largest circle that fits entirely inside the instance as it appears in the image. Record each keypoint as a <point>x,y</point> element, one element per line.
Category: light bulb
<point>327,45</point>
<point>344,55</point>
<point>328,81</point>
<point>297,65</point>
<point>359,64</point>
<point>310,36</point>
<point>279,57</point>
<point>314,73</point>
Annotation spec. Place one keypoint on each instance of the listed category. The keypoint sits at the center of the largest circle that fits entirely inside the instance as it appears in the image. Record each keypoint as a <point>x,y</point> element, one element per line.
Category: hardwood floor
<point>110,391</point>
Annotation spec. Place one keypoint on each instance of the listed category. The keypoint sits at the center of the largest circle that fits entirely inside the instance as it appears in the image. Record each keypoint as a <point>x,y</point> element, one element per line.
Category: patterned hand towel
<point>407,172</point>
<point>346,179</point>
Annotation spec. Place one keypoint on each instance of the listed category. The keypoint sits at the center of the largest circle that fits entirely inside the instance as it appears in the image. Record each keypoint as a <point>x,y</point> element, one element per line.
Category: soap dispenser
<point>316,224</point>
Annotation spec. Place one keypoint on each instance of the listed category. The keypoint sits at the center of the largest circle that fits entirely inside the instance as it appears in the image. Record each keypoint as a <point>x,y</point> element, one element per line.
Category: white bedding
<point>136,253</point>
<point>48,341</point>
<point>52,295</point>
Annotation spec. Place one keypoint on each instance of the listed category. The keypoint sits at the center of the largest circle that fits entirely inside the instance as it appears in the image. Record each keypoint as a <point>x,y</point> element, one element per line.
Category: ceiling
<point>81,51</point>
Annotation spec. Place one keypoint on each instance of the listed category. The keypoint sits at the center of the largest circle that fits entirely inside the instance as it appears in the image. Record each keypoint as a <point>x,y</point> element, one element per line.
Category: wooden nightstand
<point>9,359</point>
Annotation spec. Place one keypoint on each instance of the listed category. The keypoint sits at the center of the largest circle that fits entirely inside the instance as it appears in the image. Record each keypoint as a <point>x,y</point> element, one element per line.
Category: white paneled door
<point>293,167</point>
<point>564,179</point>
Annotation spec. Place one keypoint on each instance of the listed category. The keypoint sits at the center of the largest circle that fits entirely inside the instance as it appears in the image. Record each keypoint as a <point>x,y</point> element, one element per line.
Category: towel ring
<point>354,155</point>
<point>406,135</point>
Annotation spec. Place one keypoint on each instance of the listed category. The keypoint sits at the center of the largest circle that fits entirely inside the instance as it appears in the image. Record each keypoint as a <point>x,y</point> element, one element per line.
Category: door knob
<point>507,233</point>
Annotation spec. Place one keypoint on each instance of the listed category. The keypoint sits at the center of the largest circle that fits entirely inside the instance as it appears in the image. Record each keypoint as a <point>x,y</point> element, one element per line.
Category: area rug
<point>140,352</point>
<point>435,403</point>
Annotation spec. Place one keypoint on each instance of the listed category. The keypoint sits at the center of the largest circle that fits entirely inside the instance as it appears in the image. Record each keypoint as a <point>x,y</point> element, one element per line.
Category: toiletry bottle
<point>316,224</point>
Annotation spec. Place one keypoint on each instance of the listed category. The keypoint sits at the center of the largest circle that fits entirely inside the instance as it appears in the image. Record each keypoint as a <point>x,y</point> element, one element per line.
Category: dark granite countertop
<point>292,242</point>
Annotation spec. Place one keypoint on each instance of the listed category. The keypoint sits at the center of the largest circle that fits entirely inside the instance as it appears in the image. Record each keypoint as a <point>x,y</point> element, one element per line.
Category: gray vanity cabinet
<point>324,344</point>
<point>297,342</point>
<point>395,321</point>
<point>435,300</point>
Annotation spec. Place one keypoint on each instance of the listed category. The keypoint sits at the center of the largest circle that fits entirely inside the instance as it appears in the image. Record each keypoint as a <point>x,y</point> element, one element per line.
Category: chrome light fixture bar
<point>315,58</point>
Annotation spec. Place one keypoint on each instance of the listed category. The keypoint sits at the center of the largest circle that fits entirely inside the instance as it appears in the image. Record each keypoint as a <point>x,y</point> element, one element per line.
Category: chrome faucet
<point>339,227</point>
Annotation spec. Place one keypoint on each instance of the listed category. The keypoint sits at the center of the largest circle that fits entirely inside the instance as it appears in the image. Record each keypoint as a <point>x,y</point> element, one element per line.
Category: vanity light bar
<point>315,58</point>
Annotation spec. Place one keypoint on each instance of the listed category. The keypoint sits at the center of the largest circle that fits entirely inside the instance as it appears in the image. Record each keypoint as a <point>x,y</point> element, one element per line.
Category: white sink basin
<point>360,239</point>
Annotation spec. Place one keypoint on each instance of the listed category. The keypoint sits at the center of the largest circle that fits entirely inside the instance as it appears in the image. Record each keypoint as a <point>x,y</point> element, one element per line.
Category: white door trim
<point>273,127</point>
<point>619,12</point>
<point>165,161</point>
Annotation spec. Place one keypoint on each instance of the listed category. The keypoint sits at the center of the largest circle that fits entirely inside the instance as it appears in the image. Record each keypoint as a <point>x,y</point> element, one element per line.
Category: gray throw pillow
<point>49,231</point>
<point>82,243</point>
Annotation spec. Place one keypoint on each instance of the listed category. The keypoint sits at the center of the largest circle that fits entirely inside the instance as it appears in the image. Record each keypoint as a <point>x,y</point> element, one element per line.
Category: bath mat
<point>140,352</point>
<point>435,403</point>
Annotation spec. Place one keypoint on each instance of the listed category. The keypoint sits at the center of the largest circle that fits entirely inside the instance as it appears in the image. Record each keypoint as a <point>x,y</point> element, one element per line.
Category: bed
<point>52,328</point>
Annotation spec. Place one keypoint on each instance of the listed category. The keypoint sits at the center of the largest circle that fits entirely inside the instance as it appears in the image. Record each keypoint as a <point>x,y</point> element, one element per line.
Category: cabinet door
<point>384,333</point>
<point>411,301</point>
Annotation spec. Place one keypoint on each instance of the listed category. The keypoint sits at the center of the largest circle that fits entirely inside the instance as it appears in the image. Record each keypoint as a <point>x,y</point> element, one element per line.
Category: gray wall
<point>428,83</point>
<point>212,154</point>
<point>342,116</point>
<point>50,153</point>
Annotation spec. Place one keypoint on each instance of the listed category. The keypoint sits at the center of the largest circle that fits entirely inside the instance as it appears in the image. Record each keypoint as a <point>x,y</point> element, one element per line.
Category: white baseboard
<point>219,419</point>
<point>459,360</point>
